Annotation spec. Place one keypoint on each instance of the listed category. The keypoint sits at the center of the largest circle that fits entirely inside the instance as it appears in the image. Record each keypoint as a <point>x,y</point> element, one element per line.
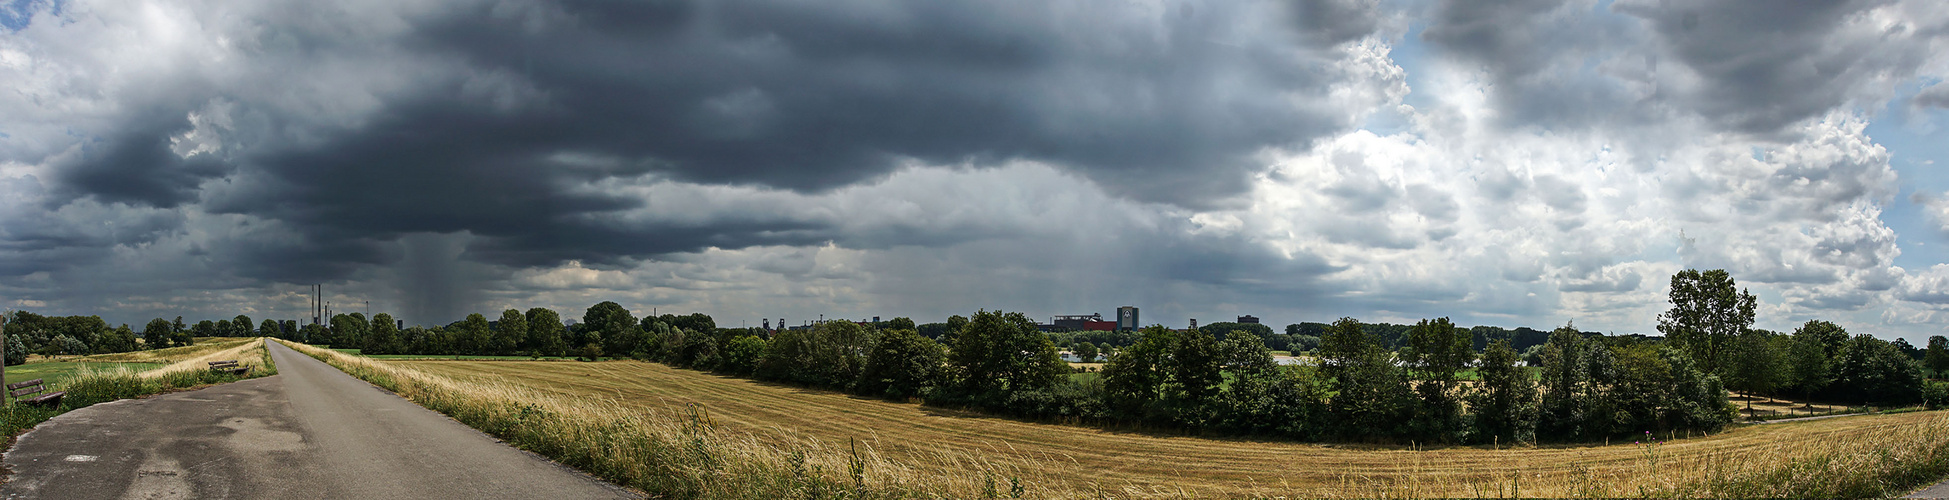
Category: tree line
<point>1428,382</point>
<point>30,333</point>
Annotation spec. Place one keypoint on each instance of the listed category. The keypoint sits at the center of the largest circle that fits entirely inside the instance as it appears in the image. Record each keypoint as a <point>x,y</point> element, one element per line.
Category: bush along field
<point>186,368</point>
<point>1427,383</point>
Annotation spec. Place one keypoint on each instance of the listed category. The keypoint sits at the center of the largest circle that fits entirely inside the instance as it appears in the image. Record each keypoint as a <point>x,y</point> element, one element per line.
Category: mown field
<point>1087,461</point>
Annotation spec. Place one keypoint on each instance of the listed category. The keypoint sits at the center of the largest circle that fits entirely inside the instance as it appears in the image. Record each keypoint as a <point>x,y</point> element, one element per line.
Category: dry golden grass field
<point>202,347</point>
<point>1064,460</point>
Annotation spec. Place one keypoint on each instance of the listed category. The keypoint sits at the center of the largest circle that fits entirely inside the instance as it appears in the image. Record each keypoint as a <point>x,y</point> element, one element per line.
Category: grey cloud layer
<point>1199,156</point>
<point>493,118</point>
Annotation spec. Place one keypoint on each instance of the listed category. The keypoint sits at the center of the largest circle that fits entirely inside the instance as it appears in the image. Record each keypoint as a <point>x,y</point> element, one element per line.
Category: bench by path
<point>34,387</point>
<point>229,366</point>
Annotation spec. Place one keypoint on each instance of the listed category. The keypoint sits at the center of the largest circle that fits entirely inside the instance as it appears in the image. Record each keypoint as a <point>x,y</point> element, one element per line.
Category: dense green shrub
<point>742,354</point>
<point>903,364</point>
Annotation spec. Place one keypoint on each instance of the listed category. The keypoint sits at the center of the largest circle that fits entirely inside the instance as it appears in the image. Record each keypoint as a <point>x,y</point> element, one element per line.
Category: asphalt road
<point>309,432</point>
<point>1937,490</point>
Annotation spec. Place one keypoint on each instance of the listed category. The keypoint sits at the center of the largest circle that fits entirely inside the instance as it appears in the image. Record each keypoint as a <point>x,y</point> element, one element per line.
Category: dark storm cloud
<point>37,237</point>
<point>1503,36</point>
<point>544,99</point>
<point>815,96</point>
<point>1761,65</point>
<point>1936,96</point>
<point>1766,64</point>
<point>1534,50</point>
<point>137,166</point>
<point>1331,22</point>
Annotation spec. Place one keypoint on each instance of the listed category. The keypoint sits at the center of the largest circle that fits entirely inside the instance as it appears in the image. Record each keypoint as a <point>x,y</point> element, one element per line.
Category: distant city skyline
<point>1389,161</point>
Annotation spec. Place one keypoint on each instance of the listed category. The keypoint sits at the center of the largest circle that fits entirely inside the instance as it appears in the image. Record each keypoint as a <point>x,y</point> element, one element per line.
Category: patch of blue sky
<point>1411,54</point>
<point>15,14</point>
<point>1918,149</point>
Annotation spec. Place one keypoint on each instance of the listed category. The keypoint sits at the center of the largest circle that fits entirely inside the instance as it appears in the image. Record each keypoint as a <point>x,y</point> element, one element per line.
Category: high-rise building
<point>1194,323</point>
<point>1127,318</point>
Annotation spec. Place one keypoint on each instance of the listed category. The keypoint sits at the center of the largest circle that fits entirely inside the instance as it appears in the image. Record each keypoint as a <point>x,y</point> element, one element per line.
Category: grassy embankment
<point>1865,456</point>
<point>108,377</point>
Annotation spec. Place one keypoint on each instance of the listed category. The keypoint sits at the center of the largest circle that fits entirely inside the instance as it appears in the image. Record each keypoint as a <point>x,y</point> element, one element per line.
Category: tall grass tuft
<point>679,452</point>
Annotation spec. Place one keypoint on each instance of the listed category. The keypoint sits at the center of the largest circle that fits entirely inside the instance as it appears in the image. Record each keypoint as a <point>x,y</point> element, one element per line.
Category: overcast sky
<point>1503,163</point>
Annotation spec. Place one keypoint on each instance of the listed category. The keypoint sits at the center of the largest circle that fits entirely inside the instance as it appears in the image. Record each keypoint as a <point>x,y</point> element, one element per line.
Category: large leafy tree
<point>205,328</point>
<point>1810,357</point>
<point>742,354</point>
<point>1373,400</point>
<point>545,332</point>
<point>954,325</point>
<point>694,323</point>
<point>384,337</point>
<point>1708,313</point>
<point>999,352</point>
<point>1436,353</point>
<point>1873,371</point>
<point>270,328</point>
<point>158,334</point>
<point>1504,402</point>
<point>831,355</point>
<point>1341,343</point>
<point>1564,383</point>
<point>1086,352</point>
<point>16,351</point>
<point>1756,364</point>
<point>690,349</point>
<point>314,334</point>
<point>1263,397</point>
<point>509,332</point>
<point>1195,376</point>
<point>1936,358</point>
<point>241,325</point>
<point>120,339</point>
<point>1831,337</point>
<point>1659,388</point>
<point>348,330</point>
<point>611,325</point>
<point>902,365</point>
<point>1132,376</point>
<point>471,335</point>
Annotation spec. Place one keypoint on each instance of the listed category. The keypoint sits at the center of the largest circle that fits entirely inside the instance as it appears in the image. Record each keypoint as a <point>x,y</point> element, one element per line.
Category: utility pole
<point>3,351</point>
